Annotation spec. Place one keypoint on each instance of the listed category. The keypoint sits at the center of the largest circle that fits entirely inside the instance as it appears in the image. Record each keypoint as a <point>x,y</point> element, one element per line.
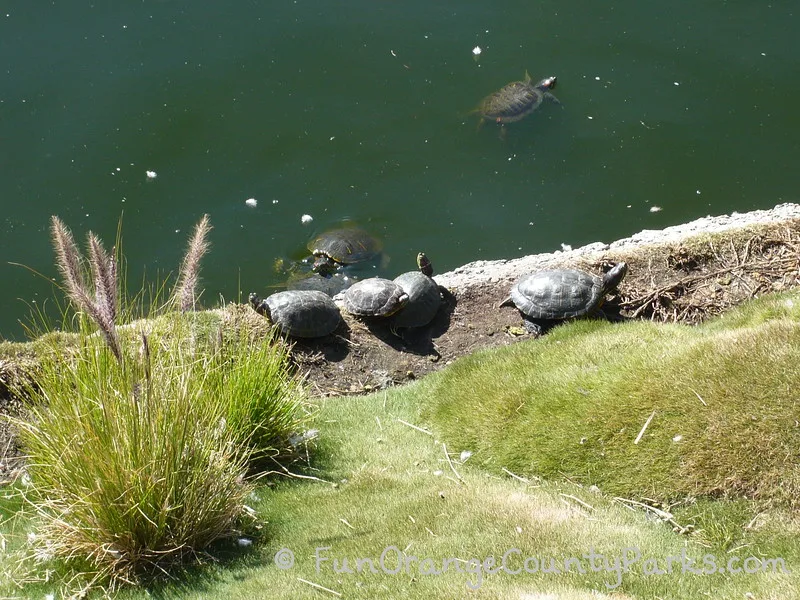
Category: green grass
<point>723,398</point>
<point>392,486</point>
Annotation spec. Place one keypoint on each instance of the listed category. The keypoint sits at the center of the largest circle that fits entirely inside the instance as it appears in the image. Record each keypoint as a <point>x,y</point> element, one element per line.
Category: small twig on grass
<point>644,427</point>
<point>753,522</point>
<point>661,514</point>
<point>348,524</point>
<point>578,500</point>
<point>450,462</point>
<point>699,398</point>
<point>319,587</point>
<point>379,423</point>
<point>407,424</point>
<point>286,472</point>
<point>522,479</point>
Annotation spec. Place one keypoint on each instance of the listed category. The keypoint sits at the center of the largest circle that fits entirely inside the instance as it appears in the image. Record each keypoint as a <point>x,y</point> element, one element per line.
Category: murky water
<point>361,111</point>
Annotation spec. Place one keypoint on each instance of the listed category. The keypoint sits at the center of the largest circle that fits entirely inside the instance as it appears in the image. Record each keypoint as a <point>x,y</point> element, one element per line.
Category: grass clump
<point>140,439</point>
<point>722,397</point>
<point>131,470</point>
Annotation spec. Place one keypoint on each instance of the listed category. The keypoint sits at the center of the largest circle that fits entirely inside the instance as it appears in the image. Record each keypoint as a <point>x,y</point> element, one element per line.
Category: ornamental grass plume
<point>139,459</point>
<point>102,309</point>
<point>184,295</point>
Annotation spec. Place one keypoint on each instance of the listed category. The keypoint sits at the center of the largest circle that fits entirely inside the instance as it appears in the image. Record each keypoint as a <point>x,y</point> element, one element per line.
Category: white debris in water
<point>305,219</point>
<point>698,192</point>
<point>566,248</point>
<point>275,201</point>
<point>675,83</point>
<point>151,174</point>
<point>656,209</point>
<point>251,202</point>
<point>477,50</point>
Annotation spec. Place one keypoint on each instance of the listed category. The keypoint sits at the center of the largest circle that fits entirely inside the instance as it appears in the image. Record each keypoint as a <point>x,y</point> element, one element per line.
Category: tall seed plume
<point>102,310</point>
<point>185,290</point>
<point>68,261</point>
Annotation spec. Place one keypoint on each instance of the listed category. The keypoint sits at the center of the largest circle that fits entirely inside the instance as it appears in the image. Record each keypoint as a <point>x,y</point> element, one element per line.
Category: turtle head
<point>259,305</point>
<point>615,276</point>
<point>424,264</point>
<point>548,83</point>
<point>324,265</point>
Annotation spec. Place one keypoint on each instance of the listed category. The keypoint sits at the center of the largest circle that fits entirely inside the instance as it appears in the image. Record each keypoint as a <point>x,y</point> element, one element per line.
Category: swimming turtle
<point>338,247</point>
<point>424,298</point>
<point>374,297</point>
<point>561,294</point>
<point>517,100</point>
<point>299,313</point>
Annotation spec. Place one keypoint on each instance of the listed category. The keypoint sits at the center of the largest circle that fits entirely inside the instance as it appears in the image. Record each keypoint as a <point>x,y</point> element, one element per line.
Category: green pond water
<point>361,111</point>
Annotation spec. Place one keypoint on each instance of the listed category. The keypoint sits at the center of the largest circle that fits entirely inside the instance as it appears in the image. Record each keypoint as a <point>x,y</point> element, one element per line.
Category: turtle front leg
<point>552,98</point>
<point>532,327</point>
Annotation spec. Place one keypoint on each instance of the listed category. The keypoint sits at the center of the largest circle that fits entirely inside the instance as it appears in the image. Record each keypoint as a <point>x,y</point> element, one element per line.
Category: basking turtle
<point>517,100</point>
<point>561,294</point>
<point>374,297</point>
<point>424,298</point>
<point>299,313</point>
<point>346,246</point>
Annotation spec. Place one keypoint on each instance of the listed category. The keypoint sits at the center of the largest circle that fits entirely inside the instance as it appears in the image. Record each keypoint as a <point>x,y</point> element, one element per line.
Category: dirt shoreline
<point>680,274</point>
<point>683,274</point>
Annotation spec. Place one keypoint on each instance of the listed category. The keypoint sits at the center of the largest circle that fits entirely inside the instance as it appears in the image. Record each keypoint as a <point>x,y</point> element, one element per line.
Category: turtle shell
<point>330,286</point>
<point>300,313</point>
<point>374,297</point>
<point>558,294</point>
<point>345,246</point>
<point>424,300</point>
<point>516,100</point>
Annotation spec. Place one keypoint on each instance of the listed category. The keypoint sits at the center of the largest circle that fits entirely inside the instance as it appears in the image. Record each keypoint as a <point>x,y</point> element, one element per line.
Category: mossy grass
<point>389,485</point>
<point>722,397</point>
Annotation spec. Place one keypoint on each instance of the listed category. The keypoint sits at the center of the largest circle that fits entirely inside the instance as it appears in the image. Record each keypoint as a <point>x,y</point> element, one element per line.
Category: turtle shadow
<point>610,311</point>
<point>416,340</point>
<point>334,347</point>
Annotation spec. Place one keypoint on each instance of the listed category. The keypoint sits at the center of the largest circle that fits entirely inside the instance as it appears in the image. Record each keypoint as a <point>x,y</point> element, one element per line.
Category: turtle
<point>338,247</point>
<point>299,313</point>
<point>559,294</point>
<point>517,100</point>
<point>331,285</point>
<point>424,298</point>
<point>374,297</point>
